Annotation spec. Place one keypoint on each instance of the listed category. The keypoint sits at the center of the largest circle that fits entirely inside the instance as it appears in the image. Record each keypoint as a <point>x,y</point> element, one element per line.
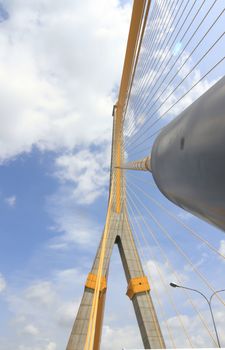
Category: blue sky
<point>59,78</point>
<point>55,150</point>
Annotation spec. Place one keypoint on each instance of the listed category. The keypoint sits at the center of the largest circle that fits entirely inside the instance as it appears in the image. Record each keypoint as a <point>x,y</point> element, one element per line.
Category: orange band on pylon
<point>137,285</point>
<point>91,282</point>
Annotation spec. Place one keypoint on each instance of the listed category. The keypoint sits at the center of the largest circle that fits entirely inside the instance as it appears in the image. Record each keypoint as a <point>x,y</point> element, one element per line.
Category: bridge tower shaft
<point>118,229</point>
<point>138,291</point>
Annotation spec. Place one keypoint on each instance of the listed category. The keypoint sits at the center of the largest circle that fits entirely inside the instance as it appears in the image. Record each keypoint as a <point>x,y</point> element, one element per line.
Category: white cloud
<point>73,225</point>
<point>51,346</point>
<point>198,335</point>
<point>58,246</point>
<point>222,247</point>
<point>173,94</point>
<point>120,337</point>
<point>58,71</point>
<point>161,274</point>
<point>2,283</point>
<point>87,170</point>
<point>31,329</point>
<point>53,316</point>
<point>41,293</point>
<point>66,314</point>
<point>43,311</point>
<point>11,201</point>
<point>194,338</point>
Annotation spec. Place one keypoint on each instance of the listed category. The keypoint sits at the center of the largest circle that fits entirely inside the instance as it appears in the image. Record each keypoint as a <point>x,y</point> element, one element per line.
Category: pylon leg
<point>79,331</point>
<point>80,327</point>
<point>120,233</point>
<point>99,322</point>
<point>142,302</point>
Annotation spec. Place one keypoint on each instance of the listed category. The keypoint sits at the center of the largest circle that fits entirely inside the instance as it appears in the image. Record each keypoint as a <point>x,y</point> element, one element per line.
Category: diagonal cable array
<point>135,209</point>
<point>142,217</point>
<point>180,56</point>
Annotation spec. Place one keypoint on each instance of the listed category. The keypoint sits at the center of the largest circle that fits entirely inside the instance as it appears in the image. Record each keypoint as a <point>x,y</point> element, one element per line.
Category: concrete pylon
<point>118,226</point>
<point>120,233</point>
<point>138,290</point>
<point>138,286</point>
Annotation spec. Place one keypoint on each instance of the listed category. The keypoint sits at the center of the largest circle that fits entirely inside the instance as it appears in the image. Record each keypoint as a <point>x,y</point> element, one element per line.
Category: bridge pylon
<point>138,288</point>
<point>119,232</point>
<point>87,328</point>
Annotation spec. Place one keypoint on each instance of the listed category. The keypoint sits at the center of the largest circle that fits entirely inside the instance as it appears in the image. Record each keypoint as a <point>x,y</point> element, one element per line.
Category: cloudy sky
<point>60,65</point>
<point>60,68</point>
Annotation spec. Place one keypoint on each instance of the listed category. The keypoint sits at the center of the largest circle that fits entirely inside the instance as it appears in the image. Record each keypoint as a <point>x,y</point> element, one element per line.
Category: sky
<point>61,65</point>
<point>60,70</point>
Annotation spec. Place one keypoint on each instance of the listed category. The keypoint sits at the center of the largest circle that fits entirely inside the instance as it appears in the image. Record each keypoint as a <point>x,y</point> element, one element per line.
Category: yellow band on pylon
<point>91,282</point>
<point>137,285</point>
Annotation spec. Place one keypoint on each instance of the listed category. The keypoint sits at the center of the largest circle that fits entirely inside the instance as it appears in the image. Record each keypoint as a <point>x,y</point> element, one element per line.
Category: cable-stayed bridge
<point>169,120</point>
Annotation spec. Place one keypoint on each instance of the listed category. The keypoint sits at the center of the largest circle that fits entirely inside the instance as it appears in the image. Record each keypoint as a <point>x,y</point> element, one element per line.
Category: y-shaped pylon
<point>138,289</point>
